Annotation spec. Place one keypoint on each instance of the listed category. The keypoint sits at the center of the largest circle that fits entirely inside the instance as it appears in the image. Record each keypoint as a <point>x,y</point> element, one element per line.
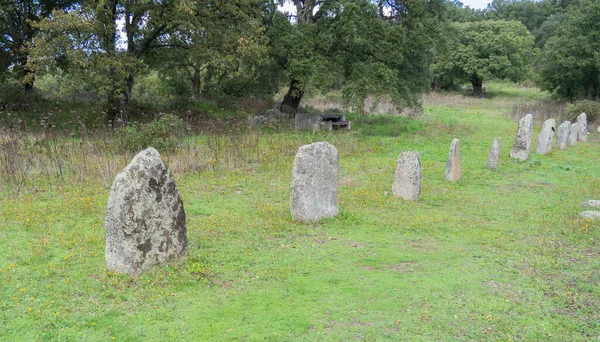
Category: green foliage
<point>570,64</point>
<point>163,134</point>
<point>590,108</point>
<point>484,50</point>
<point>360,48</point>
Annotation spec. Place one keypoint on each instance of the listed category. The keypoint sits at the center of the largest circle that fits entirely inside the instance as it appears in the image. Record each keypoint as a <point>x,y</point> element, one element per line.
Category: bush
<point>591,108</point>
<point>163,134</point>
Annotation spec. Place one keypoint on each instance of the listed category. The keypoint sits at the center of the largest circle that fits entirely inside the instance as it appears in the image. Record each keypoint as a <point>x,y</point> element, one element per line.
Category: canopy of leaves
<point>355,46</point>
<point>487,49</point>
<point>570,61</point>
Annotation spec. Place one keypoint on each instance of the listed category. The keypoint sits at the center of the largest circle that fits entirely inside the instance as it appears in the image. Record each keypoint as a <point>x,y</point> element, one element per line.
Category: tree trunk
<point>196,83</point>
<point>292,99</point>
<point>477,83</point>
<point>592,90</point>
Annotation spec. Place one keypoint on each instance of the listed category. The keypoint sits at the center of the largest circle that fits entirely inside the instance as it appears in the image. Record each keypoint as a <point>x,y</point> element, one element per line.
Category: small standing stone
<point>314,192</point>
<point>407,179</point>
<point>494,155</point>
<point>562,135</point>
<point>544,143</point>
<point>574,130</point>
<point>145,219</point>
<point>582,121</point>
<point>522,144</point>
<point>453,170</point>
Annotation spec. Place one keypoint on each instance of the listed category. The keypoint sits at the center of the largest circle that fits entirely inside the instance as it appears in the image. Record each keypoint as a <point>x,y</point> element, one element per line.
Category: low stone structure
<point>562,135</point>
<point>583,132</point>
<point>307,121</point>
<point>145,219</point>
<point>494,155</point>
<point>522,143</point>
<point>408,176</point>
<point>453,168</point>
<point>314,193</point>
<point>546,136</point>
<point>574,131</point>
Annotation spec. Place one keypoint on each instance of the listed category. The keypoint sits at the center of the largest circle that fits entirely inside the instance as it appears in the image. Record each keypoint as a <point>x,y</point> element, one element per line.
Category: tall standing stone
<point>522,144</point>
<point>574,131</point>
<point>494,155</point>
<point>453,170</point>
<point>582,121</point>
<point>314,192</point>
<point>544,142</point>
<point>562,135</point>
<point>408,176</point>
<point>145,219</point>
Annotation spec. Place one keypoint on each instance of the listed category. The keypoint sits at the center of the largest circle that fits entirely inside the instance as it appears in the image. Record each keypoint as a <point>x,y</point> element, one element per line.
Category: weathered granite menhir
<point>453,167</point>
<point>546,136</point>
<point>583,132</point>
<point>408,176</point>
<point>145,219</point>
<point>562,135</point>
<point>522,143</point>
<point>314,193</point>
<point>574,131</point>
<point>494,155</point>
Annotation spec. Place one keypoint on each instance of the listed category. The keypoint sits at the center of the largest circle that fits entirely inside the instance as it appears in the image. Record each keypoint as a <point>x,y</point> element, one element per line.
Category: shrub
<point>163,134</point>
<point>591,108</point>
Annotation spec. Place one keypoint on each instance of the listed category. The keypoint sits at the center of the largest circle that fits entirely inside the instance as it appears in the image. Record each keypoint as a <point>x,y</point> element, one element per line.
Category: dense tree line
<point>384,48</point>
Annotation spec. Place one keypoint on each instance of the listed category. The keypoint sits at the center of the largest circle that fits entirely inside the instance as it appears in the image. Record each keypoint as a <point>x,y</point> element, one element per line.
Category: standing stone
<point>407,179</point>
<point>544,143</point>
<point>453,170</point>
<point>562,135</point>
<point>582,121</point>
<point>314,192</point>
<point>494,155</point>
<point>522,144</point>
<point>145,219</point>
<point>574,131</point>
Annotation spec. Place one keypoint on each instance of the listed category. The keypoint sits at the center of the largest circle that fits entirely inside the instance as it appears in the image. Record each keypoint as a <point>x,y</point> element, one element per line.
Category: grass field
<point>498,256</point>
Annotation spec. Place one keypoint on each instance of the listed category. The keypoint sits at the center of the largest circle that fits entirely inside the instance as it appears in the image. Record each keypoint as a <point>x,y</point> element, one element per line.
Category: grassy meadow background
<point>498,256</point>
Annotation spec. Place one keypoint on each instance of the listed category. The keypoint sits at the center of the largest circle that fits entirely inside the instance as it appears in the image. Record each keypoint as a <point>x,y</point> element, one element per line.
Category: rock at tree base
<point>574,130</point>
<point>494,155</point>
<point>407,179</point>
<point>592,203</point>
<point>453,170</point>
<point>522,144</point>
<point>314,192</point>
<point>562,135</point>
<point>145,219</point>
<point>591,215</point>
<point>544,143</point>
<point>582,121</point>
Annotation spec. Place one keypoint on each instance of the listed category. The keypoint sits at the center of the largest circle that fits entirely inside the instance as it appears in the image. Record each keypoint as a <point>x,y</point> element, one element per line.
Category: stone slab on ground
<point>592,204</point>
<point>592,215</point>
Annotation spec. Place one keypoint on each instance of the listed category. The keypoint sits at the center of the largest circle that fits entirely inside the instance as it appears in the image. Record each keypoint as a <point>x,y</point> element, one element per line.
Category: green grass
<point>499,255</point>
